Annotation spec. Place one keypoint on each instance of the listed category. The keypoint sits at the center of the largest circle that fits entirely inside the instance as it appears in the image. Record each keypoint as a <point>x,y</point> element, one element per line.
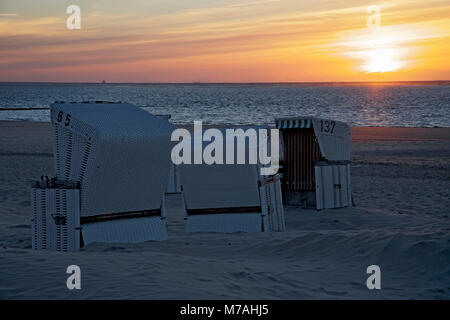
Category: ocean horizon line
<point>266,83</point>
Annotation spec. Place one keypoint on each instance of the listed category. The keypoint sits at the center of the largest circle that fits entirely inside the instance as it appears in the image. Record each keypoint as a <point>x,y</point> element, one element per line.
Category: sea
<point>409,104</point>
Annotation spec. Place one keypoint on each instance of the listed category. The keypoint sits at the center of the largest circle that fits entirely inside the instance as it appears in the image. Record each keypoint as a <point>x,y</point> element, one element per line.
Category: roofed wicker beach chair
<point>230,198</point>
<point>315,162</point>
<point>119,155</point>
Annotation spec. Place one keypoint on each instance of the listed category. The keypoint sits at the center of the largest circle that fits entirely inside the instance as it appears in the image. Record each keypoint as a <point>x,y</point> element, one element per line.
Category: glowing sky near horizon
<point>224,41</point>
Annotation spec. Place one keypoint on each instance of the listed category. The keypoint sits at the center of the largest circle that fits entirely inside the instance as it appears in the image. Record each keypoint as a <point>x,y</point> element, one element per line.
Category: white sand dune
<point>401,223</point>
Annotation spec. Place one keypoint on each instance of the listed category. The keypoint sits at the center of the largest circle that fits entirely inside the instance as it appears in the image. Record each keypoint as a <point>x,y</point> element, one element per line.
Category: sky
<point>225,41</point>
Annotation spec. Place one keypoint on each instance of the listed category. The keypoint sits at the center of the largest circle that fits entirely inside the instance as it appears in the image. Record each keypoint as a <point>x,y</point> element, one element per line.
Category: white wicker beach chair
<point>120,155</point>
<point>316,162</point>
<point>230,198</point>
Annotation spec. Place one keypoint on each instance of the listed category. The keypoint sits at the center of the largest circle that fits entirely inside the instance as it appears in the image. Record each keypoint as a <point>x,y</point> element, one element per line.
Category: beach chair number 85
<point>60,117</point>
<point>327,126</point>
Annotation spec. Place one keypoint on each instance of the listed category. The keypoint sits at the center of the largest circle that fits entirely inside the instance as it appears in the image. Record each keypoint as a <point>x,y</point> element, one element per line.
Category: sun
<point>382,51</point>
<point>380,60</point>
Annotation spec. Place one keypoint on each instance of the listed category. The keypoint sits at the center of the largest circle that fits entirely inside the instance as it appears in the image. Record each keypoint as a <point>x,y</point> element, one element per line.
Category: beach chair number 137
<point>327,126</point>
<point>60,117</point>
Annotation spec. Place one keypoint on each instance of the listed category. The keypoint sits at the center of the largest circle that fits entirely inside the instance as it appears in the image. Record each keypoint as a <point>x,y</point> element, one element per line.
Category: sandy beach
<point>401,183</point>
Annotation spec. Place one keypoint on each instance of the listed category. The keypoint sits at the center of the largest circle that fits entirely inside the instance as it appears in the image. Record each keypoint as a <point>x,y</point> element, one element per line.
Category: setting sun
<point>381,60</point>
